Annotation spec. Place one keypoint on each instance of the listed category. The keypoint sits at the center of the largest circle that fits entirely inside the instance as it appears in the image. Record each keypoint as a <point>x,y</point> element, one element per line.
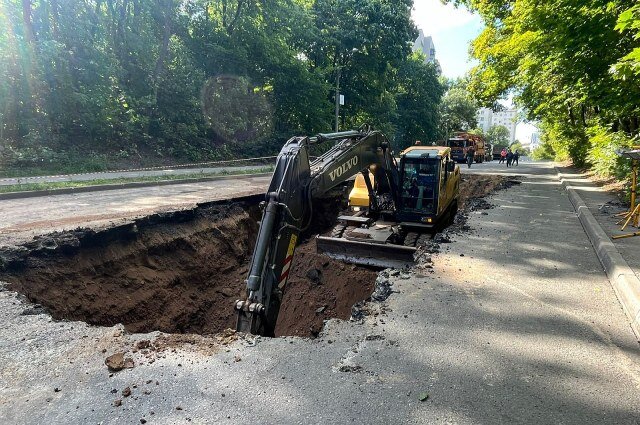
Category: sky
<point>452,29</point>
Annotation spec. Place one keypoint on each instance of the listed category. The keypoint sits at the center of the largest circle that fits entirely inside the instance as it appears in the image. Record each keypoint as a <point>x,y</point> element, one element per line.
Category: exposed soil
<point>178,272</point>
<point>475,187</point>
<point>320,288</point>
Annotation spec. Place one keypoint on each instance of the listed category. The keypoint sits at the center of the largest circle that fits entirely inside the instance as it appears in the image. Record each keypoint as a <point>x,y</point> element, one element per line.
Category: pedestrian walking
<point>509,158</point>
<point>516,157</point>
<point>503,155</point>
<point>470,155</point>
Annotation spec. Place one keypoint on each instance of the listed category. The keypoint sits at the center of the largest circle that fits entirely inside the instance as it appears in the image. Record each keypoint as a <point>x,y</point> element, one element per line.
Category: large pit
<point>179,273</point>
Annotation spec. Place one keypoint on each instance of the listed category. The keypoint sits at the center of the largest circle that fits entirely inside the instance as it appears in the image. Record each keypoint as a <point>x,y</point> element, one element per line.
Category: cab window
<point>419,184</point>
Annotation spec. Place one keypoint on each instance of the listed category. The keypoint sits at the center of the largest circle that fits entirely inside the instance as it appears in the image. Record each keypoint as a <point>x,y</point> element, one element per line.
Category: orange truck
<point>461,142</point>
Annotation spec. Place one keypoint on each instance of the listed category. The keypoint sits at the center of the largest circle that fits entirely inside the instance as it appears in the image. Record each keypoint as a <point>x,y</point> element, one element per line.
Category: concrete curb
<point>623,280</point>
<point>118,186</point>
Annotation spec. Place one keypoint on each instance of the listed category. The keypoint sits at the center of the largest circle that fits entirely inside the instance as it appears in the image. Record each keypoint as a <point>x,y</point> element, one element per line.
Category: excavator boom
<point>287,212</point>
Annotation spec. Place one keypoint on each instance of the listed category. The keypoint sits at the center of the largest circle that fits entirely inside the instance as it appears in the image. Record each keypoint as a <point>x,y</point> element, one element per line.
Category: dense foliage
<point>498,136</point>
<point>457,109</point>
<point>91,81</point>
<point>572,64</point>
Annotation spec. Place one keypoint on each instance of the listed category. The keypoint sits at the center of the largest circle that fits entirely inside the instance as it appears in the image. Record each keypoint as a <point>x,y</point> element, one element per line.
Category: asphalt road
<point>524,328</point>
<point>21,219</point>
<point>493,167</point>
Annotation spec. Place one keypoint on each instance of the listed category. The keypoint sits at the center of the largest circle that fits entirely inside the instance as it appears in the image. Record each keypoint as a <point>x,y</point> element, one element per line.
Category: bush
<point>601,154</point>
<point>544,151</point>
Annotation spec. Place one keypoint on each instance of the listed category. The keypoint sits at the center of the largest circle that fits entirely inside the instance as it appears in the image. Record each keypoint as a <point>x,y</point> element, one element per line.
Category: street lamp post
<point>346,57</point>
<point>338,98</point>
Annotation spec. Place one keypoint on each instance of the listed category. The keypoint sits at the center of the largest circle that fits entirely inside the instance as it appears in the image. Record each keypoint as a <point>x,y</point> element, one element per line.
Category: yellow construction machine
<point>383,228</point>
<point>396,204</point>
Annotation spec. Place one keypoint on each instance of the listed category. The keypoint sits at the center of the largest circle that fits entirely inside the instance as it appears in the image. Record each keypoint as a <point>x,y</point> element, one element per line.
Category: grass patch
<point>28,187</point>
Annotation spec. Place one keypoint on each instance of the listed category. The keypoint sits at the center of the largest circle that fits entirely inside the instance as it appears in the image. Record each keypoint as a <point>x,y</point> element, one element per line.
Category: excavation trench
<point>179,273</point>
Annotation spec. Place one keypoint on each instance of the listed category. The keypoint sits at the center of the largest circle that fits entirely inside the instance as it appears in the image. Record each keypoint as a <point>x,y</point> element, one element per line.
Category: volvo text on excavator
<point>395,205</point>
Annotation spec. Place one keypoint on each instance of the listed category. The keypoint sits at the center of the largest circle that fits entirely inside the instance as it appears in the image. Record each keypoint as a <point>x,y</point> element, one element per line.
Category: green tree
<point>498,136</point>
<point>457,110</point>
<point>360,45</point>
<point>85,82</point>
<point>419,94</point>
<point>629,65</point>
<point>556,57</point>
<point>517,146</point>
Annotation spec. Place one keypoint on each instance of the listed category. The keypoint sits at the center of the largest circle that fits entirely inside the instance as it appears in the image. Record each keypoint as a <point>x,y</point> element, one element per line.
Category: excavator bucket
<point>366,253</point>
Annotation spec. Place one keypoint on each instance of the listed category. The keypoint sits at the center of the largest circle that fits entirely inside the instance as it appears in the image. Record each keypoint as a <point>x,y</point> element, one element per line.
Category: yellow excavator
<point>396,204</point>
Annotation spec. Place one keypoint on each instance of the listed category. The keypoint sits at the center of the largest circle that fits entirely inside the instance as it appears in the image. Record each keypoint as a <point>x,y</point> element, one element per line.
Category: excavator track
<point>344,244</point>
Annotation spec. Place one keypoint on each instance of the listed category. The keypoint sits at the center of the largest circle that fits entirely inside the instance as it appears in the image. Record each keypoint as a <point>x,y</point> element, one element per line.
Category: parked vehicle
<point>488,152</point>
<point>461,142</point>
<point>496,152</point>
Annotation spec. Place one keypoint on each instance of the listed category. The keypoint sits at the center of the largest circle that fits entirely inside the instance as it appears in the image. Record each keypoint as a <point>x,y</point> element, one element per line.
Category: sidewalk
<point>604,207</point>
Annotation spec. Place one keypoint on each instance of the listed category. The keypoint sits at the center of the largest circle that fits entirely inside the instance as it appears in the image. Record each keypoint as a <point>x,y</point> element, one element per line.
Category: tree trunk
<point>224,13</point>
<point>237,15</point>
<point>163,52</point>
<point>55,19</point>
<point>572,118</point>
<point>95,20</point>
<point>633,125</point>
<point>28,24</point>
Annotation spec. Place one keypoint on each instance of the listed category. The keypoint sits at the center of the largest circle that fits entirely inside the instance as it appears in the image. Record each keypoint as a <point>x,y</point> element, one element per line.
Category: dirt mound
<point>475,187</point>
<point>177,273</point>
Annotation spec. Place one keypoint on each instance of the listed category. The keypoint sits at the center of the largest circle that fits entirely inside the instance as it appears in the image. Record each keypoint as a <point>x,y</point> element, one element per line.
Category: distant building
<point>528,134</point>
<point>535,140</point>
<point>507,118</point>
<point>424,44</point>
<point>484,116</point>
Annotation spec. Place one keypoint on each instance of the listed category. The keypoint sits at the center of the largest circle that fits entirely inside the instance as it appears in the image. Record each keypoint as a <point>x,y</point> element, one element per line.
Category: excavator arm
<point>287,211</point>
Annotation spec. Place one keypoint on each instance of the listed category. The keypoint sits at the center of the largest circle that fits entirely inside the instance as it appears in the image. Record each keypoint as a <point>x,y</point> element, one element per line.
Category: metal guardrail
<point>155,168</point>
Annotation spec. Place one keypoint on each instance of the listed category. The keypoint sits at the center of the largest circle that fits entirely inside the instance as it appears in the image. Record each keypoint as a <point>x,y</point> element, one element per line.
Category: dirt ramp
<point>474,187</point>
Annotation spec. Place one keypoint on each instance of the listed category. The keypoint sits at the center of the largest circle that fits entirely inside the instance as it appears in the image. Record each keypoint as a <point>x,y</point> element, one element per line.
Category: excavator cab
<point>429,185</point>
<point>419,186</point>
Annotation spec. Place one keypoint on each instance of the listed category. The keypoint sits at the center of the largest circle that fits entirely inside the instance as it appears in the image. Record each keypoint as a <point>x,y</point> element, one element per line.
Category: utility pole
<point>338,99</point>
